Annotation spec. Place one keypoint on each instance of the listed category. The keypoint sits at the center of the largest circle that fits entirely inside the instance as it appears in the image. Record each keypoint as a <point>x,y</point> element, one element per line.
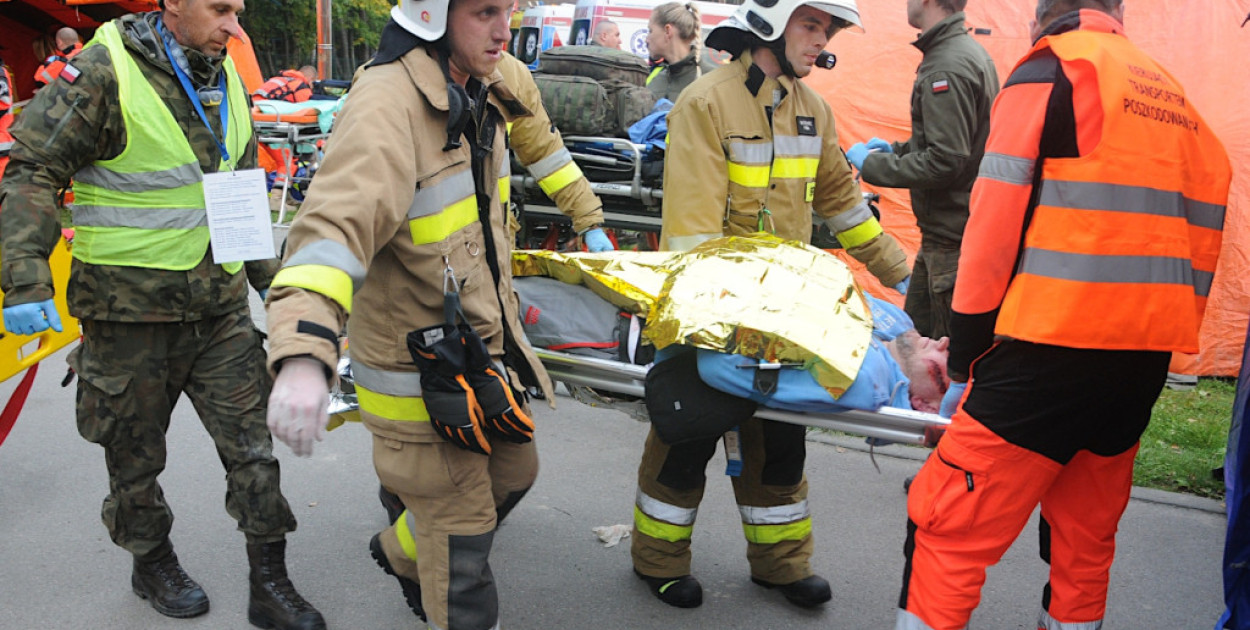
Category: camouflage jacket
<point>950,120</point>
<point>69,125</point>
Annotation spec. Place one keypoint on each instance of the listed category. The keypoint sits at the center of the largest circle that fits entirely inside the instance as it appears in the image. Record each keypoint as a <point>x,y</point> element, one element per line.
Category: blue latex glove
<point>950,402</point>
<point>29,319</point>
<point>597,241</point>
<point>856,154</point>
<point>263,293</point>
<point>877,144</point>
<point>903,286</point>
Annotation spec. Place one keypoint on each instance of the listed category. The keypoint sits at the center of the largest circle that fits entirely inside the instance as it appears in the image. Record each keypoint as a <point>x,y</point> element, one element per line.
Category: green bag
<point>576,105</point>
<point>595,62</point>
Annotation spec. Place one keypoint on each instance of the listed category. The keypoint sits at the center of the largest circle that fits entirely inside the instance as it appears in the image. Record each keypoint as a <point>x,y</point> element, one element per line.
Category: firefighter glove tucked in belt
<point>504,416</point>
<point>439,352</point>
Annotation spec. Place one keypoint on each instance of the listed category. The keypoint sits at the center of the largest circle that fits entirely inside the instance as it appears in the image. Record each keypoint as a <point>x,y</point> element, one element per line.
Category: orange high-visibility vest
<point>1123,242</point>
<point>54,65</point>
<point>290,86</point>
<point>6,118</point>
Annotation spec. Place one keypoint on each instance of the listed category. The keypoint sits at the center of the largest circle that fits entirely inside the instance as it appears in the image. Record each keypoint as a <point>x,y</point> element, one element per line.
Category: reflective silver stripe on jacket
<point>666,512</point>
<point>689,242</point>
<point>1046,622</point>
<point>550,164</point>
<point>1007,168</point>
<point>1134,199</point>
<point>909,621</point>
<point>175,177</point>
<point>505,166</point>
<point>774,515</point>
<point>1099,268</point>
<point>797,146</point>
<point>432,199</point>
<point>6,146</point>
<point>387,382</point>
<point>844,221</point>
<point>143,218</point>
<point>757,153</point>
<point>330,254</point>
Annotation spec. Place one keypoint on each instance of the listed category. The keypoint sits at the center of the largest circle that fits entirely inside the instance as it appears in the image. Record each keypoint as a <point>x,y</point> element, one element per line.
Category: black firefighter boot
<point>274,603</point>
<point>159,578</point>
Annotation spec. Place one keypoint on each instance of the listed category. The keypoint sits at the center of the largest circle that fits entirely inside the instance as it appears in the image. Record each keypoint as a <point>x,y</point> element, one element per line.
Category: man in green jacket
<point>950,120</point>
<point>137,120</point>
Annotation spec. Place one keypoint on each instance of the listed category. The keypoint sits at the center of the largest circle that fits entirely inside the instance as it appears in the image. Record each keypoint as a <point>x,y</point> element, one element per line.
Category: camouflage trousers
<point>932,287</point>
<point>130,376</point>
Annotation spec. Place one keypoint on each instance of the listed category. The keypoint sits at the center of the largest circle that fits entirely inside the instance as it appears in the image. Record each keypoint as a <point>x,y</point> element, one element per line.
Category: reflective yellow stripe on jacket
<point>442,208</point>
<point>326,267</point>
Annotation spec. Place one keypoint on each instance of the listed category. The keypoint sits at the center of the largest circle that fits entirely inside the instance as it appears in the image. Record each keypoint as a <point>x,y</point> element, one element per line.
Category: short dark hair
<point>952,6</point>
<point>1050,9</point>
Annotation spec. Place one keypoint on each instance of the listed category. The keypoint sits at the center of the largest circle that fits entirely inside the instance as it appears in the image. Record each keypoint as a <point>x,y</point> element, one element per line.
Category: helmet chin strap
<point>778,46</point>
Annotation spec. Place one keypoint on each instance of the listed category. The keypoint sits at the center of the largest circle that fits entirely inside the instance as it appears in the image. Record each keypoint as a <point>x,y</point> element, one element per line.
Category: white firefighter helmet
<point>767,20</point>
<point>427,19</point>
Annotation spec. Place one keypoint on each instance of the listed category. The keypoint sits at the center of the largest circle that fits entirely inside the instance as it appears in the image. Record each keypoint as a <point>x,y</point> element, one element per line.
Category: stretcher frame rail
<point>887,423</point>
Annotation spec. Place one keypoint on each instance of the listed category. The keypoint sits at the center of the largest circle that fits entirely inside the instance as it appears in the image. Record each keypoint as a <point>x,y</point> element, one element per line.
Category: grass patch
<point>1186,439</point>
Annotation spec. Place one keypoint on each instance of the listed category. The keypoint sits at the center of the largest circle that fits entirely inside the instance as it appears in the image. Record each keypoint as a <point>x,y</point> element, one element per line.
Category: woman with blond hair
<point>674,42</point>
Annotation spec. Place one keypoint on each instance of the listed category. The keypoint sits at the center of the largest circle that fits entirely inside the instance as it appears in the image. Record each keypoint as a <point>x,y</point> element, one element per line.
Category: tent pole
<point>325,41</point>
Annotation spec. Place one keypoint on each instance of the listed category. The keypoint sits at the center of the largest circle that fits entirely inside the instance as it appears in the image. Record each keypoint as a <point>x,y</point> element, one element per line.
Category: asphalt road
<point>58,569</point>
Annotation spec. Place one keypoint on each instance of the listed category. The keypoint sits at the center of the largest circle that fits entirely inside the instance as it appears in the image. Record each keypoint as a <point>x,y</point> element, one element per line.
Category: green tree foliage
<point>284,34</point>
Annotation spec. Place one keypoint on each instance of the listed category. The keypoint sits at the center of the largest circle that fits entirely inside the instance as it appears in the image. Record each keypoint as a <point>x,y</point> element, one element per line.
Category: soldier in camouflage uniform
<point>152,329</point>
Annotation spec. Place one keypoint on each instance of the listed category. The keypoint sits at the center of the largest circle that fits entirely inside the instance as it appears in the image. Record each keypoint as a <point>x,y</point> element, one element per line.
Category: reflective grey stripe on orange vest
<point>176,177</point>
<point>1006,168</point>
<point>1134,199</point>
<point>330,254</point>
<point>550,164</point>
<point>909,621</point>
<point>6,146</point>
<point>662,511</point>
<point>774,515</point>
<point>387,382</point>
<point>758,153</point>
<point>1099,268</point>
<point>144,218</point>
<point>844,221</point>
<point>797,146</point>
<point>432,199</point>
<point>1046,622</point>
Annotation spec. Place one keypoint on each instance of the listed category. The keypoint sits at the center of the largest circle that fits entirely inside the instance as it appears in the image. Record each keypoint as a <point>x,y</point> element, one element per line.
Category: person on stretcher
<point>901,369</point>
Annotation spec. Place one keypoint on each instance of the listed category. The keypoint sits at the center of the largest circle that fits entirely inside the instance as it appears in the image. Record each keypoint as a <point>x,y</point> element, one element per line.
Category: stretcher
<point>599,375</point>
<point>626,176</point>
<point>295,131</point>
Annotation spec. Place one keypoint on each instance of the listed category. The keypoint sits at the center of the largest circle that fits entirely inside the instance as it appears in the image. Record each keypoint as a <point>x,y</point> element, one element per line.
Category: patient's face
<point>924,364</point>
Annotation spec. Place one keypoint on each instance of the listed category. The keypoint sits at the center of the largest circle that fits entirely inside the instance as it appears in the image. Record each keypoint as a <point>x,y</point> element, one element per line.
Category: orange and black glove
<point>439,352</point>
<point>505,417</point>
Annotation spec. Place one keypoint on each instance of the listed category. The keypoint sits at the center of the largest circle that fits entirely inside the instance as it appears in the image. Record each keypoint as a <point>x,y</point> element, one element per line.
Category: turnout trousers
<point>454,501</point>
<point>130,376</point>
<point>771,492</point>
<point>1038,425</point>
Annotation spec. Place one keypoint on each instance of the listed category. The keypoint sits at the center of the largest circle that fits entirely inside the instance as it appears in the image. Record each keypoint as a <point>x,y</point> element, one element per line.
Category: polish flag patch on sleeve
<point>941,86</point>
<point>69,73</point>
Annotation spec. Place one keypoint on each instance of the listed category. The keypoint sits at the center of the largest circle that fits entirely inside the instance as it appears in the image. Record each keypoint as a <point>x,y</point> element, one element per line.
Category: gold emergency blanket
<point>757,296</point>
<point>629,280</point>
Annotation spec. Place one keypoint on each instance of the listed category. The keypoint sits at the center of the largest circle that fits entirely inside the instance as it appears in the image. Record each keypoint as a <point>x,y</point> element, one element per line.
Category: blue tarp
<point>1237,484</point>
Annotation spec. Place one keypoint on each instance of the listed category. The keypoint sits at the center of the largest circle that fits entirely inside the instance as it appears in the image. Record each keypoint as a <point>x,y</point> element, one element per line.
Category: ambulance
<point>542,27</point>
<point>633,16</point>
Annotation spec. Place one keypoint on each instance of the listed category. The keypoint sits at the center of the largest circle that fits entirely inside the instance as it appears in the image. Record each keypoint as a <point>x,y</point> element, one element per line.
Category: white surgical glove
<point>299,404</point>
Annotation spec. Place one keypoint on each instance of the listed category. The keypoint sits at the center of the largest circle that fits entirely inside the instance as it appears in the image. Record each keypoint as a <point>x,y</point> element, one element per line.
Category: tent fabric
<point>870,92</point>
